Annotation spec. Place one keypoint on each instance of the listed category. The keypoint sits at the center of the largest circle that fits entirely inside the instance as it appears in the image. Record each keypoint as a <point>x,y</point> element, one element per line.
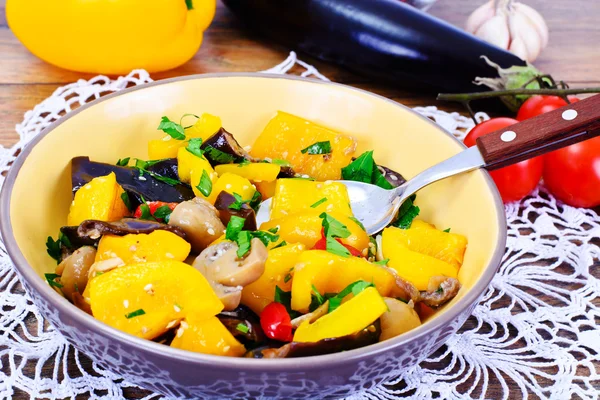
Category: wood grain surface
<point>572,55</point>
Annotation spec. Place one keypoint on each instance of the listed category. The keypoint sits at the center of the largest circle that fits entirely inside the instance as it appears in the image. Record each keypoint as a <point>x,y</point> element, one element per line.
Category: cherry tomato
<point>515,181</point>
<point>276,322</point>
<point>322,245</point>
<point>572,173</point>
<point>536,105</point>
<point>153,206</point>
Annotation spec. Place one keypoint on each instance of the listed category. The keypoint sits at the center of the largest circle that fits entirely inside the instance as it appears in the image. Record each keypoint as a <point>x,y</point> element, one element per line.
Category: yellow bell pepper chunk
<point>207,336</point>
<point>154,35</point>
<point>295,195</point>
<point>417,268</point>
<point>255,172</point>
<point>305,227</point>
<point>279,271</point>
<point>98,199</point>
<point>350,317</point>
<point>206,126</point>
<point>286,135</point>
<point>144,299</point>
<point>188,162</point>
<point>330,273</point>
<point>266,189</point>
<point>159,245</point>
<point>167,147</point>
<point>232,183</point>
<point>426,239</point>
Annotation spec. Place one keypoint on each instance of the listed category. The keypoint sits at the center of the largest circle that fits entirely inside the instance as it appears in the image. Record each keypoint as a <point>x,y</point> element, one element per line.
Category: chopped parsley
<point>335,247</point>
<point>364,169</point>
<point>142,167</point>
<point>205,185</point>
<point>242,238</point>
<point>358,223</point>
<point>281,163</point>
<point>318,148</point>
<point>447,230</point>
<point>238,203</point>
<point>315,292</point>
<point>234,227</point>
<point>135,313</point>
<point>285,298</point>
<point>287,278</point>
<point>193,147</point>
<point>125,198</point>
<point>217,155</point>
<point>163,212</point>
<point>407,213</point>
<point>243,241</point>
<point>189,4</point>
<point>440,290</point>
<point>123,162</point>
<point>334,229</point>
<point>242,327</point>
<point>51,279</point>
<point>171,128</point>
<point>382,262</point>
<point>255,201</point>
<point>354,288</point>
<point>318,203</point>
<point>283,243</point>
<point>274,230</point>
<point>146,214</point>
<point>53,247</point>
<point>244,162</point>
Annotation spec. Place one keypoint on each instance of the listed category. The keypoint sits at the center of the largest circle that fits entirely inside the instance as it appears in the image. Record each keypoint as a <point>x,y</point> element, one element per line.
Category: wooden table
<point>572,55</point>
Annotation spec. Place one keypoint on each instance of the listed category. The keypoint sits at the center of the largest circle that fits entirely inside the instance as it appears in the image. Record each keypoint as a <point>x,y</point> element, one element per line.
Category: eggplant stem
<point>467,105</point>
<point>465,97</point>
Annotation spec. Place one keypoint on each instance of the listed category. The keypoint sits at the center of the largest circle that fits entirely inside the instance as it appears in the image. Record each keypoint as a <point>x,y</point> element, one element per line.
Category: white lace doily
<point>533,334</point>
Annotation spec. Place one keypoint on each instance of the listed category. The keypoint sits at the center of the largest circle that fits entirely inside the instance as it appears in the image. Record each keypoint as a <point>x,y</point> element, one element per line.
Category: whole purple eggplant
<point>384,39</point>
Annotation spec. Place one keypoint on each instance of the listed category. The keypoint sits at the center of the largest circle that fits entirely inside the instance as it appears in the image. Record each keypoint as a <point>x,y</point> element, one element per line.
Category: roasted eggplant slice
<point>244,325</point>
<point>223,203</point>
<point>365,337</point>
<point>166,167</point>
<point>83,170</point>
<point>222,148</point>
<point>93,228</point>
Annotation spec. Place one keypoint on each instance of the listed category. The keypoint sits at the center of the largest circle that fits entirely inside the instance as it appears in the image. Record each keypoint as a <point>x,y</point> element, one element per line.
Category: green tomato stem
<point>465,97</point>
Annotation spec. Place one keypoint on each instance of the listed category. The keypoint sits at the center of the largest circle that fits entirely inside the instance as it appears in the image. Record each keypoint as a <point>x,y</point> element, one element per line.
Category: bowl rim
<point>63,306</point>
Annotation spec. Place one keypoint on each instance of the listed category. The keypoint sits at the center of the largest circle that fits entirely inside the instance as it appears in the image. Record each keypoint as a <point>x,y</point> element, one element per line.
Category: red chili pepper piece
<point>153,206</point>
<point>276,322</point>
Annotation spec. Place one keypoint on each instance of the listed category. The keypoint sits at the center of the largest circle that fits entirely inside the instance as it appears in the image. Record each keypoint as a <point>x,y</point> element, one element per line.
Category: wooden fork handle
<point>535,136</point>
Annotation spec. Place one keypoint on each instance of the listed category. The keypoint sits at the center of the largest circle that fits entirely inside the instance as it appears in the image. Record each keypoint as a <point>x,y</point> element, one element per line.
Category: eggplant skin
<point>83,170</point>
<point>383,39</point>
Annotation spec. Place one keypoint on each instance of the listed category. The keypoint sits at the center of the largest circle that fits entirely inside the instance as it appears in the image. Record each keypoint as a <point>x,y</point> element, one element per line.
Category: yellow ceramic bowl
<point>36,197</point>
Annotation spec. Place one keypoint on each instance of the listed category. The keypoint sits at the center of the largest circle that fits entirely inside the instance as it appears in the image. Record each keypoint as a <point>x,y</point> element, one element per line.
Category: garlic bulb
<point>510,25</point>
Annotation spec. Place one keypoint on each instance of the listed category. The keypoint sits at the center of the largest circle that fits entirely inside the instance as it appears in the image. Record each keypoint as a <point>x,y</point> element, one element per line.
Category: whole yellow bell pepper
<point>111,36</point>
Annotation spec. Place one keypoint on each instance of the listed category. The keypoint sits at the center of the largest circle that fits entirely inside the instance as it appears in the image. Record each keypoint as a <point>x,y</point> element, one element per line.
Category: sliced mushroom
<point>200,222</point>
<point>364,337</point>
<point>440,290</point>
<point>94,229</point>
<point>403,289</point>
<point>74,271</point>
<point>400,318</point>
<point>227,273</point>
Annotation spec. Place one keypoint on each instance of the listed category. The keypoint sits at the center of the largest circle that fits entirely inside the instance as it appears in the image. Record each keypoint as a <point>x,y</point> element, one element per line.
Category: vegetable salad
<point>168,249</point>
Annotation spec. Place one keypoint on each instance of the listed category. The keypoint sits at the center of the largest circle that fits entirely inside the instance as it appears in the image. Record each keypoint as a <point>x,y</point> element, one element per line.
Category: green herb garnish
<point>318,203</point>
<point>287,278</point>
<point>163,212</point>
<point>335,247</point>
<point>265,237</point>
<point>123,162</point>
<point>285,298</point>
<point>318,148</point>
<point>274,230</point>
<point>218,155</point>
<point>193,147</point>
<point>50,278</point>
<point>171,128</point>
<point>242,328</point>
<point>447,230</point>
<point>53,247</point>
<point>255,201</point>
<point>364,169</point>
<point>238,203</point>
<point>142,167</point>
<point>358,223</point>
<point>281,163</point>
<point>320,298</point>
<point>205,185</point>
<point>333,227</point>
<point>382,262</point>
<point>440,290</point>
<point>283,243</point>
<point>189,4</point>
<point>135,313</point>
<point>244,162</point>
<point>243,241</point>
<point>407,213</point>
<point>125,198</point>
<point>234,227</point>
<point>354,288</point>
